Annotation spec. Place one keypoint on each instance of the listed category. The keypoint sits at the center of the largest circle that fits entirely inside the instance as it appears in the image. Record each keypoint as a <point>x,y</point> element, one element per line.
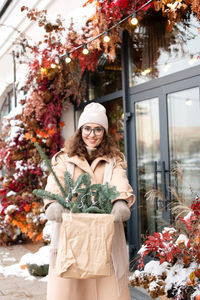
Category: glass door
<point>167,143</point>
<point>184,143</point>
<point>148,154</point>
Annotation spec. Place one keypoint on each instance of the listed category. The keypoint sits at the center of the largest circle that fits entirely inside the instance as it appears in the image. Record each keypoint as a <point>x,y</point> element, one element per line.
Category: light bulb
<point>43,70</point>
<point>146,71</point>
<point>106,38</point>
<point>85,50</point>
<point>68,58</point>
<point>134,20</point>
<point>53,66</point>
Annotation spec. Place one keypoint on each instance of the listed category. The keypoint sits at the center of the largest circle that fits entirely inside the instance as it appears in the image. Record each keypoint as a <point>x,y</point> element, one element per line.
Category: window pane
<point>184,137</point>
<point>148,153</point>
<point>156,52</point>
<point>114,110</point>
<point>107,76</point>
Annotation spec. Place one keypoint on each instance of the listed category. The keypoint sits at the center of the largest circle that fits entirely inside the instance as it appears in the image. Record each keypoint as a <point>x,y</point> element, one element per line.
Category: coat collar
<point>84,165</point>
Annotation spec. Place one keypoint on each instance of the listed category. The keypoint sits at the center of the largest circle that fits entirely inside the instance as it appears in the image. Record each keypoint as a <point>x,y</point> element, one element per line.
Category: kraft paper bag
<point>85,244</point>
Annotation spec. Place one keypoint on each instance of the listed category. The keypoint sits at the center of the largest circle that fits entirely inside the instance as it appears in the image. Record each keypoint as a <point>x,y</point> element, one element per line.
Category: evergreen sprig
<point>79,196</point>
<point>48,164</point>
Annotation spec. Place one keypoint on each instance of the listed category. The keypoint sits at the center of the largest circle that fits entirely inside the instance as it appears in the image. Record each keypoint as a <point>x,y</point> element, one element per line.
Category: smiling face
<point>92,134</point>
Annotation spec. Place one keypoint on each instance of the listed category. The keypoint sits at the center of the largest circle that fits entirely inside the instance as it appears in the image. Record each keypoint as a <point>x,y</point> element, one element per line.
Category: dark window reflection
<point>114,110</point>
<point>107,76</point>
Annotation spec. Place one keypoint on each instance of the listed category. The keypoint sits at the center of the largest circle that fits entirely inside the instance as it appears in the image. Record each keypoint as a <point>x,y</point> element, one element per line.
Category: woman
<point>89,150</point>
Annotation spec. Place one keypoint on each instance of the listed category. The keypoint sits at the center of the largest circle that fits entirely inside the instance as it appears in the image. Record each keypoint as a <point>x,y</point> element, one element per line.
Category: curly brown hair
<point>76,146</point>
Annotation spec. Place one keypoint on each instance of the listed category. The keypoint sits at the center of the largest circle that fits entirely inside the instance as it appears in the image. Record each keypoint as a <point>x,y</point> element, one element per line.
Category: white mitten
<point>120,211</point>
<point>54,212</point>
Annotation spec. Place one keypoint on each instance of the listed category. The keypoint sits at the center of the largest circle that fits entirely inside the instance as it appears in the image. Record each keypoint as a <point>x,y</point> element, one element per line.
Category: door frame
<point>160,87</point>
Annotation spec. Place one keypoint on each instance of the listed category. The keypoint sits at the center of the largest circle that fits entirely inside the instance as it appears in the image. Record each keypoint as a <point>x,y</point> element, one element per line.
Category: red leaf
<point>169,257</point>
<point>162,261</point>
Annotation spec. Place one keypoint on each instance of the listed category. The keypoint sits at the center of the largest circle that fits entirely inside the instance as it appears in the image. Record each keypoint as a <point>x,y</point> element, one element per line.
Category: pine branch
<point>69,183</point>
<point>47,195</point>
<point>50,168</point>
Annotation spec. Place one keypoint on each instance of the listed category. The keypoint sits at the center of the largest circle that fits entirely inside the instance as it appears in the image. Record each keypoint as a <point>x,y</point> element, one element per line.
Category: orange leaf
<point>186,260</point>
<point>27,135</point>
<point>51,131</point>
<point>27,207</point>
<point>34,204</point>
<point>197,273</point>
<point>62,124</point>
<point>33,140</point>
<point>42,134</point>
<point>87,2</point>
<point>39,237</point>
<point>23,267</point>
<point>192,276</point>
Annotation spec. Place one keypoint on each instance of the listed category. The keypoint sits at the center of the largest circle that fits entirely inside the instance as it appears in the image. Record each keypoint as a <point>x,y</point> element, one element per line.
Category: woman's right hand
<point>54,212</point>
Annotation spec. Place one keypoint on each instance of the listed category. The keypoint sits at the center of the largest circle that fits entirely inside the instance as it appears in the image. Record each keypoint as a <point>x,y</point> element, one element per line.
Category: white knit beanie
<point>94,113</point>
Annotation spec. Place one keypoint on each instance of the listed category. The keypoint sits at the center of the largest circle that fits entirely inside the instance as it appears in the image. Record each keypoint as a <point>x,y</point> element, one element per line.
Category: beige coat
<point>106,288</point>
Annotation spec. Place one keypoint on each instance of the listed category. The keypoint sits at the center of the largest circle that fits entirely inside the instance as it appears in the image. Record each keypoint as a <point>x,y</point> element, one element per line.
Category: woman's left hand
<point>120,211</point>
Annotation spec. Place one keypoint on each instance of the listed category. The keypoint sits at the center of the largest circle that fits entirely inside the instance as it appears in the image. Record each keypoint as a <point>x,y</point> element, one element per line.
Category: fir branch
<point>50,168</point>
<point>69,183</point>
<point>94,209</point>
<point>47,195</point>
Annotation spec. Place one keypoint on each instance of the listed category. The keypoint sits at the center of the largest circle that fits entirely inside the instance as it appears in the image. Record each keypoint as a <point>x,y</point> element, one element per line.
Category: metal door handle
<point>163,181</point>
<point>156,182</point>
<point>163,178</point>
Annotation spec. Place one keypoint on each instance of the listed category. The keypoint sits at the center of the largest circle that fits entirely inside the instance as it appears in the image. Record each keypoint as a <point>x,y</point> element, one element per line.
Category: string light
<point>134,20</point>
<point>43,70</point>
<point>106,37</point>
<point>146,71</point>
<point>84,46</point>
<point>68,58</point>
<point>85,49</point>
<point>53,66</point>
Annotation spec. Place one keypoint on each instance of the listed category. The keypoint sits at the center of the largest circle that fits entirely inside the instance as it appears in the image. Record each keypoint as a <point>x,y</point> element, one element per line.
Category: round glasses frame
<point>97,130</point>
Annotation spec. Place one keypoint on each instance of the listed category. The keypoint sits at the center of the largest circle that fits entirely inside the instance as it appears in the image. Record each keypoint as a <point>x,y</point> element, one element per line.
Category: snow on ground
<point>41,257</point>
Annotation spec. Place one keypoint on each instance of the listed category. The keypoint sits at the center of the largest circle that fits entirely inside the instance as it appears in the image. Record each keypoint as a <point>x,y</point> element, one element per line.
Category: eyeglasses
<point>86,130</point>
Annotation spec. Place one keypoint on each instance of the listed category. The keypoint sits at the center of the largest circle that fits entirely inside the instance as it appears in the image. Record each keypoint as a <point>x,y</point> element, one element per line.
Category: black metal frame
<point>130,146</point>
<point>6,4</point>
